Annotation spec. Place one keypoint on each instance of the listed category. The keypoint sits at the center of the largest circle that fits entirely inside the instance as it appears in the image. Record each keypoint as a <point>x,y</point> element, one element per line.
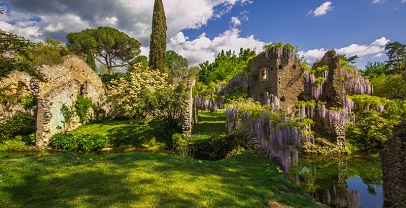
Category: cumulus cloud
<point>375,49</point>
<point>204,49</point>
<point>235,21</point>
<point>44,18</point>
<point>322,9</point>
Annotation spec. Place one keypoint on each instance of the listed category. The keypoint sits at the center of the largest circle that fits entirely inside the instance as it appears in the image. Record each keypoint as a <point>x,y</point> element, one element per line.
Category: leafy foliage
<point>279,45</point>
<point>396,52</point>
<point>226,66</point>
<point>82,105</point>
<point>375,69</point>
<point>375,118</point>
<point>90,60</point>
<point>177,65</point>
<point>14,55</point>
<point>370,131</point>
<point>49,52</point>
<point>111,47</point>
<point>157,50</point>
<point>218,147</point>
<point>391,86</point>
<point>21,123</point>
<point>141,95</point>
<point>86,142</point>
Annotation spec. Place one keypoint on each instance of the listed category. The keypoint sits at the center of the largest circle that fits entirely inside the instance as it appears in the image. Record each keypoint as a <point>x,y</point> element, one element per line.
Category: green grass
<point>143,179</point>
<point>210,124</point>
<point>125,133</point>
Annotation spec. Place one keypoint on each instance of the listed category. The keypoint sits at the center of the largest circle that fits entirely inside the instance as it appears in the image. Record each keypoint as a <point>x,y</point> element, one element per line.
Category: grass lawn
<point>143,179</point>
<point>210,124</point>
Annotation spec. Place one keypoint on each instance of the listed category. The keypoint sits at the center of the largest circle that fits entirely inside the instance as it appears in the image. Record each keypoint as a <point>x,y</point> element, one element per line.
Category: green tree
<point>391,86</point>
<point>177,65</point>
<point>370,131</point>
<point>143,60</point>
<point>157,50</point>
<point>110,46</point>
<point>396,52</point>
<point>14,55</point>
<point>376,69</point>
<point>193,71</point>
<point>49,52</point>
<point>90,60</point>
<point>226,66</point>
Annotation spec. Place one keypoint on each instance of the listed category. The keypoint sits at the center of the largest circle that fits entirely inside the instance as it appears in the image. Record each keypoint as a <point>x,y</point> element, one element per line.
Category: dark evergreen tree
<point>90,60</point>
<point>396,52</point>
<point>158,38</point>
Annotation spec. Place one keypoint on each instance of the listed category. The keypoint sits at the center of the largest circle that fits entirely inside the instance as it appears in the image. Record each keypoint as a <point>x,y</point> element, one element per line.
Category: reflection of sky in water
<point>367,200</point>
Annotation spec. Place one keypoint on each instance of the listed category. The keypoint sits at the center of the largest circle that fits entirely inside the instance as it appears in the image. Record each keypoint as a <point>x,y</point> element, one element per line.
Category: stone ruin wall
<point>278,73</point>
<point>189,108</point>
<point>333,93</point>
<point>393,162</point>
<point>63,84</point>
<point>18,85</point>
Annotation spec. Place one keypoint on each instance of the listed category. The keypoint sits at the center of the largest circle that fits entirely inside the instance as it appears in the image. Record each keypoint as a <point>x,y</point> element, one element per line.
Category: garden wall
<point>57,96</point>
<point>393,160</point>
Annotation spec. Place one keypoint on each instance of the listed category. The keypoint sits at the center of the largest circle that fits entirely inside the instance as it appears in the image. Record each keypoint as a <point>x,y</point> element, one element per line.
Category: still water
<point>341,181</point>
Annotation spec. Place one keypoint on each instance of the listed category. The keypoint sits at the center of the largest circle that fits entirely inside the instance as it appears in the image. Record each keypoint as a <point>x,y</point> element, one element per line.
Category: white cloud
<point>402,1</point>
<point>204,49</point>
<point>323,9</point>
<point>378,1</point>
<point>60,17</point>
<point>235,21</point>
<point>375,49</point>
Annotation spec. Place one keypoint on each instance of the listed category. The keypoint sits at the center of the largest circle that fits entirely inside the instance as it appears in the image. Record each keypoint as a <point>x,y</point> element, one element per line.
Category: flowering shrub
<point>140,95</point>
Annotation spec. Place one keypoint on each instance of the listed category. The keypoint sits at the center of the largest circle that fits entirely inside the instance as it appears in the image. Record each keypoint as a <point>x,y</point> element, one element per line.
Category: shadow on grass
<point>142,179</point>
<point>243,183</point>
<point>210,123</point>
<point>134,135</point>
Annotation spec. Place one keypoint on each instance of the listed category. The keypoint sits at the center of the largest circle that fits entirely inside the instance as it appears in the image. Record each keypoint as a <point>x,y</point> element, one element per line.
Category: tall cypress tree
<point>158,38</point>
<point>90,60</point>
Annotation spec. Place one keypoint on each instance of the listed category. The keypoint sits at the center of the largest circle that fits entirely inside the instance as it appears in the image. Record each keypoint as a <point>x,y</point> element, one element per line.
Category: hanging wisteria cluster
<point>270,129</point>
<point>281,53</point>
<point>208,103</point>
<point>356,83</point>
<point>314,85</point>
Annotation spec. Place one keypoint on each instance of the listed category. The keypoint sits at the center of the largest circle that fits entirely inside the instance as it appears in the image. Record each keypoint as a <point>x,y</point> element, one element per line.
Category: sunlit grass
<point>143,179</point>
<point>210,124</point>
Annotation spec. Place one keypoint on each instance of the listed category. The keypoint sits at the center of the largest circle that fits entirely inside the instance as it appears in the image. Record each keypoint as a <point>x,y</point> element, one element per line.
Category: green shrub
<point>82,105</point>
<point>20,124</point>
<point>370,131</point>
<point>218,147</point>
<point>29,102</point>
<point>87,142</point>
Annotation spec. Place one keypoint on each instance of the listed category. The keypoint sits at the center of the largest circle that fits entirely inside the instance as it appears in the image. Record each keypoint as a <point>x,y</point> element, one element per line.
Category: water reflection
<point>341,181</point>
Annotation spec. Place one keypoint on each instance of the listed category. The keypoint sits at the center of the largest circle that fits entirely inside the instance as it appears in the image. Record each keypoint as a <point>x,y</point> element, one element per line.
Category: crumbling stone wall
<point>63,84</point>
<point>189,103</point>
<point>16,86</point>
<point>393,162</point>
<point>333,94</point>
<point>277,72</point>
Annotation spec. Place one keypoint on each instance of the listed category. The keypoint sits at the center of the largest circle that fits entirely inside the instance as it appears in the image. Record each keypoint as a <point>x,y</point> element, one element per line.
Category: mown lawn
<point>143,179</point>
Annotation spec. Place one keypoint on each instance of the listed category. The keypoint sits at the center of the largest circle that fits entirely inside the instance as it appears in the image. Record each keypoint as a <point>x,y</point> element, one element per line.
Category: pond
<point>341,181</point>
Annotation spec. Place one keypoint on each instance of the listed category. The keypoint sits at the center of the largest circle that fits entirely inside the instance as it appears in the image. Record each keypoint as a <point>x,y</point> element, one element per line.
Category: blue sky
<point>199,29</point>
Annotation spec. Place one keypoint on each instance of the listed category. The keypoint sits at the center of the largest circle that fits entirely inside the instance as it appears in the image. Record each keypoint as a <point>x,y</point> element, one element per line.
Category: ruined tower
<point>277,77</point>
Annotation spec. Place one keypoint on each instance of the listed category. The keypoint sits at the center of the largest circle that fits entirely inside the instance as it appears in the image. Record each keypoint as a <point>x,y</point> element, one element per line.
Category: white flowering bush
<point>140,94</point>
